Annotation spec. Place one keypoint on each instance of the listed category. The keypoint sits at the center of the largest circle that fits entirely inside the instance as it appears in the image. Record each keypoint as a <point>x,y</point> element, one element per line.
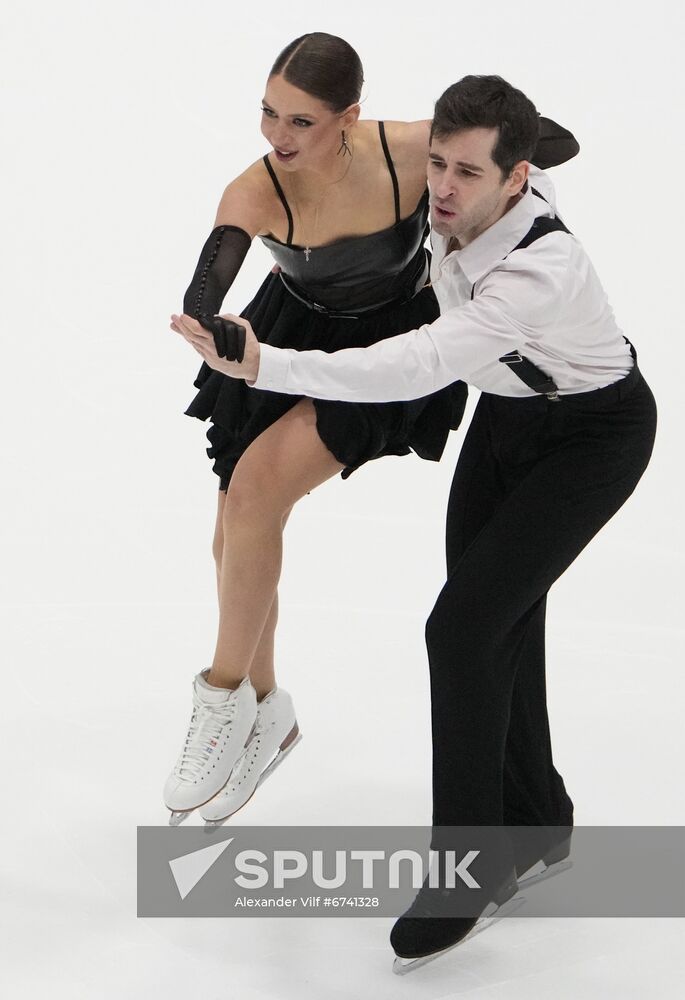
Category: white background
<point>122,125</point>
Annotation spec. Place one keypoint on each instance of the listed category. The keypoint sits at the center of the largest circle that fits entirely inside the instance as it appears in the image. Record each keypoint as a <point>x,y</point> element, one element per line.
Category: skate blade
<point>550,872</point>
<point>401,966</point>
<point>177,816</point>
<point>212,824</point>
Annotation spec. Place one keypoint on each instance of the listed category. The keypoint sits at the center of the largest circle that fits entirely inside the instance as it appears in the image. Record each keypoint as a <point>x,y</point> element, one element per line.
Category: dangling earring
<point>345,147</point>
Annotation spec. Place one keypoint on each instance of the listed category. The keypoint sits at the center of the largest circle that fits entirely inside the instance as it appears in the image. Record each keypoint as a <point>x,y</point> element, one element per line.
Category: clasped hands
<point>226,342</point>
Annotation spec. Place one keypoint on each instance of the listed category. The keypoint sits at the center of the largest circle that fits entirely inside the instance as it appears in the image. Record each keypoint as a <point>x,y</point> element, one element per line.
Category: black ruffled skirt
<point>354,433</point>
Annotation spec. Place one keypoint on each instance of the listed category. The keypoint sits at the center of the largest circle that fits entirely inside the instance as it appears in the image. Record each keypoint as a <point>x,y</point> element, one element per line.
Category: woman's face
<point>303,131</point>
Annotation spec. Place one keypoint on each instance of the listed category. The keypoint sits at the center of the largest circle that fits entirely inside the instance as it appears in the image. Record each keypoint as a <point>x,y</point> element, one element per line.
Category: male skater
<point>561,434</point>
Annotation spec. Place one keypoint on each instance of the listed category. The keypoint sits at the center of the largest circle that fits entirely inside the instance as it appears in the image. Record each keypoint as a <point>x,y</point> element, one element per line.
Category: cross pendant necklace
<point>307,248</point>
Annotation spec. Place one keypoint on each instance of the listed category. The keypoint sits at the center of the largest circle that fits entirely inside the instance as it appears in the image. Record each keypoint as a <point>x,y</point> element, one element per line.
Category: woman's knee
<point>282,465</point>
<point>218,542</point>
<point>254,495</point>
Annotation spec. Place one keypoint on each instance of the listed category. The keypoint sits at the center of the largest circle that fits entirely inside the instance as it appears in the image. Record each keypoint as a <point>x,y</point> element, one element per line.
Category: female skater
<point>342,205</point>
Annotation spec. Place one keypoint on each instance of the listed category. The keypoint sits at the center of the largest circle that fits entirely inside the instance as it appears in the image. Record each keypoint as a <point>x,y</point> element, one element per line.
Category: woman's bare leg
<point>283,464</point>
<point>262,672</point>
<point>218,540</point>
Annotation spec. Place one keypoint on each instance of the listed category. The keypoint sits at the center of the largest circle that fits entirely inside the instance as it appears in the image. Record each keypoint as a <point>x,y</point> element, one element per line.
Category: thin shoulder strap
<point>391,168</point>
<point>279,192</point>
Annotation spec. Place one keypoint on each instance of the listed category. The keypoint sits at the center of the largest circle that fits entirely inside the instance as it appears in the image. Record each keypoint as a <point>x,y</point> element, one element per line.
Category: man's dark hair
<point>323,65</point>
<point>490,102</point>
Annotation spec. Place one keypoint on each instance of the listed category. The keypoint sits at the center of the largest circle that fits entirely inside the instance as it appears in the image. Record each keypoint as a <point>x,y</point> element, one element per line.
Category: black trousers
<point>535,481</point>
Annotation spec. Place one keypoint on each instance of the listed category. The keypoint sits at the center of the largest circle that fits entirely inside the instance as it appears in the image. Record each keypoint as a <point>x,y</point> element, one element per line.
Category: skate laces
<point>259,725</point>
<point>206,725</point>
<point>241,762</point>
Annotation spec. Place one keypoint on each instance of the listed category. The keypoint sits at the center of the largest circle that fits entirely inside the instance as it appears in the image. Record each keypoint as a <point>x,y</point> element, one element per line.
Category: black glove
<point>229,337</point>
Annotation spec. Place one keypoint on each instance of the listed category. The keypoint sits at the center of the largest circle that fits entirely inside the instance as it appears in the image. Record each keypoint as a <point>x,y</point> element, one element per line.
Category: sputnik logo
<point>188,869</point>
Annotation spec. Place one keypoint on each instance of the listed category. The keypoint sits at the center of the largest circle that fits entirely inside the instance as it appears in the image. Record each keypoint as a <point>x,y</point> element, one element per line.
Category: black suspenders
<point>529,373</point>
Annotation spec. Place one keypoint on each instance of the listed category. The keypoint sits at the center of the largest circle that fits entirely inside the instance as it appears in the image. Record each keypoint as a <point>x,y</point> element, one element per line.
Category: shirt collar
<point>498,240</point>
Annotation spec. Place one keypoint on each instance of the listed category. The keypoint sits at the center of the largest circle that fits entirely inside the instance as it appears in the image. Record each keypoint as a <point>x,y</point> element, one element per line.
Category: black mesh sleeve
<point>556,145</point>
<point>220,260</point>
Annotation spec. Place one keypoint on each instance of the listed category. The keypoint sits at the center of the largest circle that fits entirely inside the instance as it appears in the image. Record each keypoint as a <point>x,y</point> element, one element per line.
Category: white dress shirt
<point>544,301</point>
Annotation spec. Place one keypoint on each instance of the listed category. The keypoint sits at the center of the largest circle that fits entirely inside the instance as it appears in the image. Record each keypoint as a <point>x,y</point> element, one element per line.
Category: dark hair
<point>489,102</point>
<point>325,66</point>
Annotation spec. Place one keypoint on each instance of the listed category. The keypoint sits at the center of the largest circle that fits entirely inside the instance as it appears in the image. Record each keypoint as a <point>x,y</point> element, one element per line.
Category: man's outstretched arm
<point>511,309</point>
<point>408,366</point>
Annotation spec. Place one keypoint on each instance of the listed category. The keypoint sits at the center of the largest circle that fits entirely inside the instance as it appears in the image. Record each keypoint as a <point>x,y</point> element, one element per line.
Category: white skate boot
<point>275,734</point>
<point>220,726</point>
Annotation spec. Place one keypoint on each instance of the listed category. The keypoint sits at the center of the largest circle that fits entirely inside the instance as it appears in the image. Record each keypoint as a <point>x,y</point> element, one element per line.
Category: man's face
<point>468,192</point>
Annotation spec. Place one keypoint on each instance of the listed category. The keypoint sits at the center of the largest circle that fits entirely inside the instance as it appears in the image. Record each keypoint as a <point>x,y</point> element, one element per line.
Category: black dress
<point>350,293</point>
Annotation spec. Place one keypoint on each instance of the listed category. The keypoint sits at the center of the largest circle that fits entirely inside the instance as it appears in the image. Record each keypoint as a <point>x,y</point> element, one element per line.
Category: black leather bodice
<point>359,272</point>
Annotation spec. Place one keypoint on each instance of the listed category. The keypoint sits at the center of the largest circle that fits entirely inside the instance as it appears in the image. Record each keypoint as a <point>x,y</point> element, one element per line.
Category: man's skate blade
<point>555,869</point>
<point>401,966</point>
<point>212,824</point>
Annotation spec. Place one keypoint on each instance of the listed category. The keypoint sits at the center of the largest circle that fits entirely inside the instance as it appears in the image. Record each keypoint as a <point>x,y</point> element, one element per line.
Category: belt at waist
<point>358,313</point>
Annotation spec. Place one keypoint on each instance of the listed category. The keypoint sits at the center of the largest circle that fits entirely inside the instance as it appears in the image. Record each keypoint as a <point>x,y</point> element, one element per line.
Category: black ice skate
<point>427,930</point>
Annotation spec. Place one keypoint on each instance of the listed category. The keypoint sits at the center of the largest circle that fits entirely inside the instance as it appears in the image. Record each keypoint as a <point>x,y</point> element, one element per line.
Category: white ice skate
<point>220,727</point>
<point>274,736</point>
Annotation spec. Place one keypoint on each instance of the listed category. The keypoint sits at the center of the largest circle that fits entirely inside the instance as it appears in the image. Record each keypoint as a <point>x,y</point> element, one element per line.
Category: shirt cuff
<point>274,367</point>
